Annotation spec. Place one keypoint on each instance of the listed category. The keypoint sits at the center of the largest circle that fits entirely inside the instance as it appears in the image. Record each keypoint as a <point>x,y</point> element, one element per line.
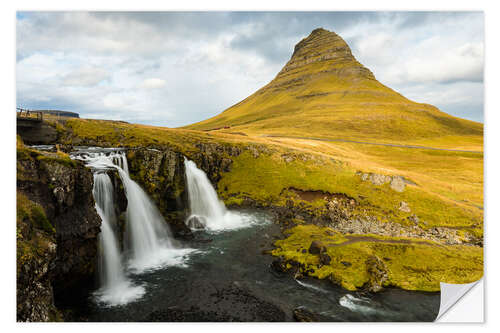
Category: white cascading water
<point>115,289</point>
<point>148,240</point>
<point>206,211</point>
<point>147,237</point>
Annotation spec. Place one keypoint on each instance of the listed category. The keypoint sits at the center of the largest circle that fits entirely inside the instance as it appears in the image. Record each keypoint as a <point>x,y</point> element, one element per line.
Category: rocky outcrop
<point>321,46</point>
<point>377,271</point>
<point>215,159</point>
<point>371,225</point>
<point>161,173</point>
<point>338,213</point>
<point>397,183</point>
<point>63,189</point>
<point>33,132</point>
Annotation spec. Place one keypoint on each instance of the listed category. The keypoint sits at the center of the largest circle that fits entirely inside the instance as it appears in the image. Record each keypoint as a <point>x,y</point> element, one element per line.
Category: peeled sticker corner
<point>452,296</point>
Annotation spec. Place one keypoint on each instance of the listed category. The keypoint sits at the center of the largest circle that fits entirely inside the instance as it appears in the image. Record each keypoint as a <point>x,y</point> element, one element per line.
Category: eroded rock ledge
<point>57,256</point>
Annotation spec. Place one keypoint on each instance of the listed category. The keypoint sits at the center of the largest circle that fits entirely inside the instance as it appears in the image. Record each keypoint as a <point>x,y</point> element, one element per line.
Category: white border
<point>492,22</point>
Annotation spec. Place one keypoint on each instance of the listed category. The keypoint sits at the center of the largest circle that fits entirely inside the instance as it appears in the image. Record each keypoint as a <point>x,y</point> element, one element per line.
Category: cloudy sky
<point>173,69</point>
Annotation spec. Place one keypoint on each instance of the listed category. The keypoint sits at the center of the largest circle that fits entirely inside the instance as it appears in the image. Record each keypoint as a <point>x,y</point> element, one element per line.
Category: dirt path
<point>372,143</point>
<point>357,239</point>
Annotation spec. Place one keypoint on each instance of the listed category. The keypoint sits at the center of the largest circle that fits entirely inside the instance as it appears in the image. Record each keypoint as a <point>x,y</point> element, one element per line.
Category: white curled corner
<point>452,294</point>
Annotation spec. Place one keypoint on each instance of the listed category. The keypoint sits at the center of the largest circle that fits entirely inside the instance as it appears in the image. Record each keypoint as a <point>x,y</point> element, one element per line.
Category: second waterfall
<point>206,211</point>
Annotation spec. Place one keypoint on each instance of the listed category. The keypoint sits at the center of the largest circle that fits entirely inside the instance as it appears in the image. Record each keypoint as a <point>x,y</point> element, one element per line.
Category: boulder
<point>398,183</point>
<point>278,265</point>
<point>317,247</point>
<point>404,207</point>
<point>196,222</point>
<point>377,179</point>
<point>301,314</point>
<point>288,158</point>
<point>325,259</point>
<point>254,151</point>
<point>414,218</point>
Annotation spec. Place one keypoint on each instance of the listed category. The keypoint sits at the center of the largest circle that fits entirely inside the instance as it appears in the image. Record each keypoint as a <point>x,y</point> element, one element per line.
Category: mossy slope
<point>412,264</point>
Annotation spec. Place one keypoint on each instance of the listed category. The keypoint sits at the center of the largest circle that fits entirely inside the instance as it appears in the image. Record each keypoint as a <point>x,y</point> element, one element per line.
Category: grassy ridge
<point>264,178</point>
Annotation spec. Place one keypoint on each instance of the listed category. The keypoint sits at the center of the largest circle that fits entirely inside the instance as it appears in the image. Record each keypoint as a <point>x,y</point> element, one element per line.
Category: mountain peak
<point>323,91</point>
<point>316,37</point>
<point>322,52</point>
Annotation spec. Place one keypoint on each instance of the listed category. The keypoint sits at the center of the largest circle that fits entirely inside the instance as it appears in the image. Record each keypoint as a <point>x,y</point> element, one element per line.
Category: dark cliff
<point>57,240</point>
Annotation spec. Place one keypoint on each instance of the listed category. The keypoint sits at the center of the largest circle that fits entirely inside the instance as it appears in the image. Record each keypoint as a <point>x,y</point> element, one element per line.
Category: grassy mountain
<point>324,92</point>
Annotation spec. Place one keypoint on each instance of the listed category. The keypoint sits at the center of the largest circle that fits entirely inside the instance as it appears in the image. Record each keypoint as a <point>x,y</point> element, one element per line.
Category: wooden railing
<point>29,114</point>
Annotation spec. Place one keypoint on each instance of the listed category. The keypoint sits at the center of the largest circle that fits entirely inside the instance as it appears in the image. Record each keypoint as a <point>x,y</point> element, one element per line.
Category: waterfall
<point>148,242</point>
<point>147,235</point>
<point>206,211</point>
<point>115,288</point>
<point>110,267</point>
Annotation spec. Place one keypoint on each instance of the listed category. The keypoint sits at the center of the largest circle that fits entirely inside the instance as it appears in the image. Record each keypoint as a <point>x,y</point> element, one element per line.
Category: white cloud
<point>85,77</point>
<point>153,83</point>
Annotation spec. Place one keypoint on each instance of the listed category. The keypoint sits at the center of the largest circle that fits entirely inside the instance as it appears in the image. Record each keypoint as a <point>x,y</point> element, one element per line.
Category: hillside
<point>324,92</point>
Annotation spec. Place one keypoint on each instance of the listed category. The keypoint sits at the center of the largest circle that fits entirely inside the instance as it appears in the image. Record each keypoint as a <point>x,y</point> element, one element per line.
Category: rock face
<point>63,189</point>
<point>36,254</point>
<point>36,133</point>
<point>321,46</point>
<point>161,173</point>
<point>214,159</point>
<point>377,271</point>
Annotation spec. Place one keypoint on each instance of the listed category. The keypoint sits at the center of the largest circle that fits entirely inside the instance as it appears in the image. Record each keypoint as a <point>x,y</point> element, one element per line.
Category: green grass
<point>59,157</point>
<point>32,213</point>
<point>34,232</point>
<point>264,179</point>
<point>415,266</point>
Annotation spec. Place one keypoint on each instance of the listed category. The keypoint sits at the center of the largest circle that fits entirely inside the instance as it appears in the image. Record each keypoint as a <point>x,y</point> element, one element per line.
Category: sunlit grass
<point>415,265</point>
